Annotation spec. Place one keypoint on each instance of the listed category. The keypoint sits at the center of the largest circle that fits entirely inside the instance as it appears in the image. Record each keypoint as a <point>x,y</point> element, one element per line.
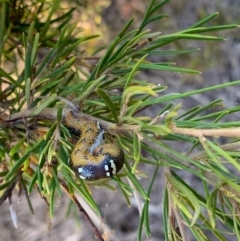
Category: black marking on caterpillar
<point>91,158</point>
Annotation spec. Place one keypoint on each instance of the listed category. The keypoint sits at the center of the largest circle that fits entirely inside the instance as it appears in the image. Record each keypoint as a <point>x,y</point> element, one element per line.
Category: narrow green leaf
<point>57,185</point>
<point>174,96</point>
<point>13,81</point>
<point>40,180</point>
<point>166,68</point>
<point>52,201</point>
<point>236,222</point>
<point>63,68</point>
<point>34,49</point>
<point>178,203</point>
<point>210,29</point>
<point>126,190</point>
<point>146,205</point>
<point>46,84</point>
<point>2,27</point>
<point>136,151</point>
<point>192,110</point>
<point>6,184</point>
<point>205,20</point>
<point>156,18</point>
<point>211,206</point>
<point>90,87</point>
<point>197,111</point>
<point>108,102</point>
<point>46,61</point>
<point>27,196</point>
<point>158,6</point>
<point>218,114</point>
<point>28,92</point>
<point>167,39</point>
<point>53,10</point>
<point>17,147</point>
<point>45,104</point>
<point>140,224</point>
<point>135,181</point>
<point>131,110</point>
<point>224,154</point>
<point>103,60</point>
<point>133,72</point>
<point>28,41</point>
<point>149,11</point>
<point>165,215</point>
<point>32,182</point>
<point>63,16</point>
<point>125,28</point>
<point>169,52</point>
<point>20,162</point>
<point>30,33</point>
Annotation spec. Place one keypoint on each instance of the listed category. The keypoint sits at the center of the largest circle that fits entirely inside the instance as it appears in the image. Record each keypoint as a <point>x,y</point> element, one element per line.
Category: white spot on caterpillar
<point>82,177</point>
<point>98,125</point>
<point>113,166</point>
<point>99,140</point>
<point>106,167</point>
<point>108,174</point>
<point>80,170</point>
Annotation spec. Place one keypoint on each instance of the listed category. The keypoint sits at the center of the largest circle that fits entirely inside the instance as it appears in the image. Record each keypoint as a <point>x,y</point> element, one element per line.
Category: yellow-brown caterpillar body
<point>91,158</point>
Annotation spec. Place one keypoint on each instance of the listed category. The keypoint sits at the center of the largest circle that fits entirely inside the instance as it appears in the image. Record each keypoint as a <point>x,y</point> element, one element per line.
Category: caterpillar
<point>91,158</point>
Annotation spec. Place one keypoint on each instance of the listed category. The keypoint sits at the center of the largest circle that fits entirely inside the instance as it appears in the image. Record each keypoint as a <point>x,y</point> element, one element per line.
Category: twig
<point>180,225</point>
<point>51,113</point>
<point>175,210</point>
<point>227,132</point>
<point>44,198</point>
<point>82,210</point>
<point>10,188</point>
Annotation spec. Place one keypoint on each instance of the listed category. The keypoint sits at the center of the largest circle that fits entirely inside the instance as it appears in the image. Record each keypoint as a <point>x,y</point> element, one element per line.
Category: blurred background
<point>219,62</point>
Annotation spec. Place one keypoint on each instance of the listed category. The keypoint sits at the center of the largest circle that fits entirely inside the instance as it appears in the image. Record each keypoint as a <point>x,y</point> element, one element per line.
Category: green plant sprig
<point>35,145</point>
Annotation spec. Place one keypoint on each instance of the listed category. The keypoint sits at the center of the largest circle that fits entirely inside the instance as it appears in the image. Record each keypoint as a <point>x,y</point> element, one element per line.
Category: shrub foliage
<point>45,72</point>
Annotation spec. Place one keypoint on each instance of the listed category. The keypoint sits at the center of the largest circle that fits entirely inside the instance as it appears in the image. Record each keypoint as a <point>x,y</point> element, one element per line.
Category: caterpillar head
<point>108,167</point>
